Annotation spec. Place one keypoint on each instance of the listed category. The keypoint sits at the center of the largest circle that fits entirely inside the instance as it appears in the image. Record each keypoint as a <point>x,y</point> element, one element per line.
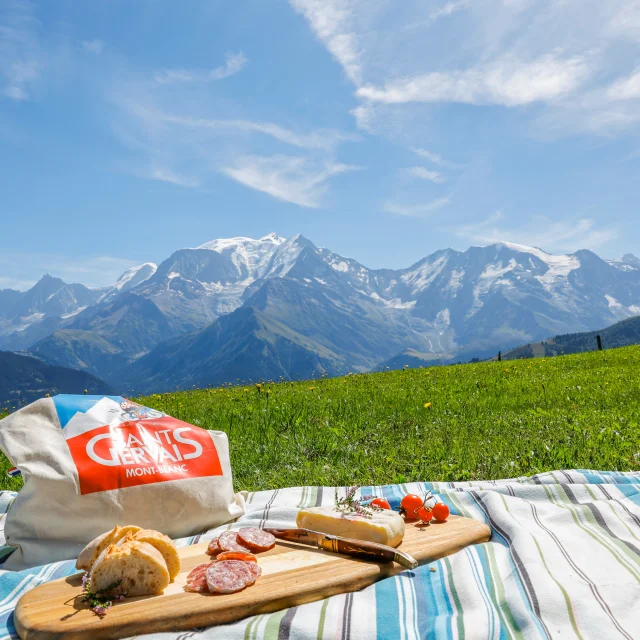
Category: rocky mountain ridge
<point>330,314</point>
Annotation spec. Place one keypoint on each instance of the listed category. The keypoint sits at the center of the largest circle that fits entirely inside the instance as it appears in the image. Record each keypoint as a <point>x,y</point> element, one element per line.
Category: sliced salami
<point>228,541</point>
<point>214,549</point>
<point>197,579</point>
<point>256,540</point>
<point>255,569</point>
<point>236,555</point>
<point>229,576</point>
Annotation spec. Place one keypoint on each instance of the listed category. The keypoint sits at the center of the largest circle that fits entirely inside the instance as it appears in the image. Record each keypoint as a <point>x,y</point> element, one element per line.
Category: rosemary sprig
<point>98,602</point>
<point>351,504</point>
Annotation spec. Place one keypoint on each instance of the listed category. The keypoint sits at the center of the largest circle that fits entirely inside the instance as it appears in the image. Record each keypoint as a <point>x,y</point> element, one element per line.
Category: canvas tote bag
<point>92,462</point>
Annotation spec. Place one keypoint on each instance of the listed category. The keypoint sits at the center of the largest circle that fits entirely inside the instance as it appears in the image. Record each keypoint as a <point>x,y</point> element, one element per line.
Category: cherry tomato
<point>425,514</point>
<point>410,505</point>
<point>440,511</point>
<point>381,502</point>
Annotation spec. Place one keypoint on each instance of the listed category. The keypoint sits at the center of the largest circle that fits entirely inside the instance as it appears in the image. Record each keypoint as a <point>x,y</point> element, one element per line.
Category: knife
<point>347,546</point>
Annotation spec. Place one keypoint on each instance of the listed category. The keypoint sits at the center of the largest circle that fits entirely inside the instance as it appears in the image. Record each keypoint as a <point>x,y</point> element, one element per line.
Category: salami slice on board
<point>228,576</point>
<point>214,549</point>
<point>236,555</point>
<point>255,569</point>
<point>228,541</point>
<point>197,579</point>
<point>256,540</point>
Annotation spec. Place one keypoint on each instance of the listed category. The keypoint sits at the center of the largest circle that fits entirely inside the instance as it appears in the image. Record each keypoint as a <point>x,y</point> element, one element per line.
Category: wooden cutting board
<point>292,574</point>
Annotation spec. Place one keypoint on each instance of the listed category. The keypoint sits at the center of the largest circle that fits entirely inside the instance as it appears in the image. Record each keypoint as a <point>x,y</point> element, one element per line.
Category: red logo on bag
<point>142,452</point>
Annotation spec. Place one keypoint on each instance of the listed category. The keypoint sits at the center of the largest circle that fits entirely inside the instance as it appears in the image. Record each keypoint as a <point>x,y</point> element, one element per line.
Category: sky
<point>380,129</point>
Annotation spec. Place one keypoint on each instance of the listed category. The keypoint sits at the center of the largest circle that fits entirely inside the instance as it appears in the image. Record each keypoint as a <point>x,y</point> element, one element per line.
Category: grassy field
<point>467,422</point>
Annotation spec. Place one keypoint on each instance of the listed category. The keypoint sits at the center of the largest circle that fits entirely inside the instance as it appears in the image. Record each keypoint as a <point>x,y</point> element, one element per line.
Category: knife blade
<point>347,546</point>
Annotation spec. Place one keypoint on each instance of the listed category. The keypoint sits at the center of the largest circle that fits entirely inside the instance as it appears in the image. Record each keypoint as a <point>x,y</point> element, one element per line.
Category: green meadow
<point>465,422</point>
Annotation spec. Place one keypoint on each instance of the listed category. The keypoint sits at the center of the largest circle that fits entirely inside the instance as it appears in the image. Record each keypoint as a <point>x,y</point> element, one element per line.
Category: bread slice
<point>138,568</point>
<point>165,545</point>
<point>91,552</point>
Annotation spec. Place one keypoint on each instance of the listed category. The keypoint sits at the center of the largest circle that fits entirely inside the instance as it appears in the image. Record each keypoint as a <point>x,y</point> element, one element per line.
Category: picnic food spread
<point>241,576</point>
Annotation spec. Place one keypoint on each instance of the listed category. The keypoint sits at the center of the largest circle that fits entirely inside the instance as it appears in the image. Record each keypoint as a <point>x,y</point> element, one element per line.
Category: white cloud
<point>435,158</point>
<point>447,9</point>
<point>330,20</point>
<point>163,174</point>
<point>93,46</point>
<point>364,115</point>
<point>506,81</point>
<point>558,55</point>
<point>424,174</point>
<point>234,63</point>
<point>292,179</point>
<point>22,58</point>
<point>625,88</point>
<point>16,93</point>
<point>540,231</point>
<point>321,139</point>
<point>179,142</point>
<point>416,211</point>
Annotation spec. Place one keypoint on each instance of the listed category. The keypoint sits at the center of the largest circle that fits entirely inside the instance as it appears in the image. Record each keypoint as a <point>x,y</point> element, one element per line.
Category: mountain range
<point>240,308</point>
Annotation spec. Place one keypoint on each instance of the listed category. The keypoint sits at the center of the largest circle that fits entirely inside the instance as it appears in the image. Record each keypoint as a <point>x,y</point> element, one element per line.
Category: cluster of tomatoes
<point>413,507</point>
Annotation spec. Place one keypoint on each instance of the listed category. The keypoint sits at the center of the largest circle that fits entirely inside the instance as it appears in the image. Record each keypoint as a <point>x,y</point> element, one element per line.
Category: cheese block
<point>383,527</point>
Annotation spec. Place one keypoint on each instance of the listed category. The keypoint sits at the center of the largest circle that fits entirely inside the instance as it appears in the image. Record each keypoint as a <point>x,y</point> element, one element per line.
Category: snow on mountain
<point>134,276</point>
<point>250,257</point>
<point>450,302</point>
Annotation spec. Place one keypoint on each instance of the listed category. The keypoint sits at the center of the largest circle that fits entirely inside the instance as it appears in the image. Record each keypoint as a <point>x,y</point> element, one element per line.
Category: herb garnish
<point>351,504</point>
<point>98,602</point>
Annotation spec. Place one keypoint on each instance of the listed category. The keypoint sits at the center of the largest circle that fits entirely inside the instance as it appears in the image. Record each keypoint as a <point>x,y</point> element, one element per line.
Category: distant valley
<point>269,308</point>
<point>24,379</point>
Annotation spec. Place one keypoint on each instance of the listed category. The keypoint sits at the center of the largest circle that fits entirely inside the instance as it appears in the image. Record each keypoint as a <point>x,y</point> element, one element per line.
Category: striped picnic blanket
<point>563,562</point>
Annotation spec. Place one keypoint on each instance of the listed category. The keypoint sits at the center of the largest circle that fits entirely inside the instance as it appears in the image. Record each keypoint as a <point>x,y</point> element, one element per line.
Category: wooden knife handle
<point>367,551</point>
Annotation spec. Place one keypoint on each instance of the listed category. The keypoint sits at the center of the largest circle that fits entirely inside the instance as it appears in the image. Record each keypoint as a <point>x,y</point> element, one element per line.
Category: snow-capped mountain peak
<point>226,244</point>
<point>251,257</point>
<point>134,276</point>
<point>559,265</point>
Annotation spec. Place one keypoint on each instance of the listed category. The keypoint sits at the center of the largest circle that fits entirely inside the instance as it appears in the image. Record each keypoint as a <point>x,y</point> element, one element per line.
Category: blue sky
<point>383,130</point>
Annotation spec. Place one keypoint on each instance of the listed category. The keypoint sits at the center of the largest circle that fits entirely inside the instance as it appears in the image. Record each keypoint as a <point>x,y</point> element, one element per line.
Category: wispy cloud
<point>185,149</point>
<point>331,20</point>
<point>540,231</point>
<point>288,178</point>
<point>448,9</point>
<point>93,46</point>
<point>435,158</point>
<point>421,173</point>
<point>234,63</point>
<point>625,88</point>
<point>320,139</point>
<point>419,210</point>
<point>21,56</point>
<point>511,54</point>
<point>163,174</point>
<point>506,81</point>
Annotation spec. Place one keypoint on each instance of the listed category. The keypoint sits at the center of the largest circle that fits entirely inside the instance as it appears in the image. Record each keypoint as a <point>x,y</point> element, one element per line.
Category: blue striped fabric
<point>563,562</point>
